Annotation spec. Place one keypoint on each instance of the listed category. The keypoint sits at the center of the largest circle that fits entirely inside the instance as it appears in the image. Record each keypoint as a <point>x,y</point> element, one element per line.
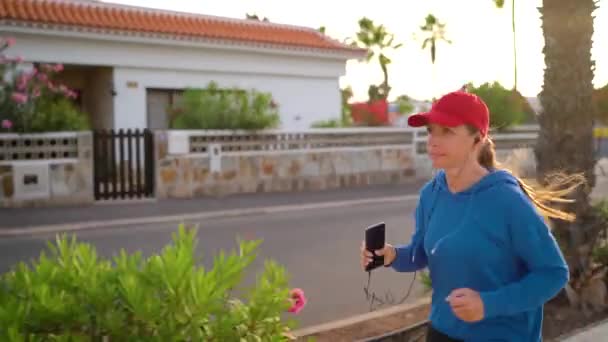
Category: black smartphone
<point>375,236</point>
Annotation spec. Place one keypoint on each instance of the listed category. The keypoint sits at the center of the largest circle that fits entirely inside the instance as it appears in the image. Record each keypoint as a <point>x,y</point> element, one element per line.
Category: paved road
<point>319,247</point>
<point>26,217</point>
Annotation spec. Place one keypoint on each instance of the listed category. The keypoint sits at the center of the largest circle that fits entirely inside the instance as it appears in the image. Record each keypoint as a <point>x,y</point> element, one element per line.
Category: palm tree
<point>378,41</point>
<point>500,4</point>
<point>435,33</point>
<point>565,142</point>
<point>255,17</point>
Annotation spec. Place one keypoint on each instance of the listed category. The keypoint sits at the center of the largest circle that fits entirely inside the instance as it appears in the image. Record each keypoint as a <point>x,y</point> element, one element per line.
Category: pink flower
<point>43,78</point>
<point>58,67</point>
<point>298,300</point>
<point>22,81</point>
<point>7,124</point>
<point>71,94</point>
<point>36,92</point>
<point>19,98</point>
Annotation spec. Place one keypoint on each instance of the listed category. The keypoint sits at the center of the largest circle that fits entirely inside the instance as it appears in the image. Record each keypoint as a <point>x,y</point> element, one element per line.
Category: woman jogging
<point>480,231</point>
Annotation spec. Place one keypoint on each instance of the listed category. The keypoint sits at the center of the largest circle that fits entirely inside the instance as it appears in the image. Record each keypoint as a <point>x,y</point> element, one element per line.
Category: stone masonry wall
<point>193,175</point>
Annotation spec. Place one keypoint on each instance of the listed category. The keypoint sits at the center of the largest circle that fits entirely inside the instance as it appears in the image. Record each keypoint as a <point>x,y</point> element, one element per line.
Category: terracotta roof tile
<point>94,15</point>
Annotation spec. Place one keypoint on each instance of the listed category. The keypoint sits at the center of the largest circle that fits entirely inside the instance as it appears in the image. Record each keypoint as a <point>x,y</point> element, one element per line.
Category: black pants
<point>433,335</point>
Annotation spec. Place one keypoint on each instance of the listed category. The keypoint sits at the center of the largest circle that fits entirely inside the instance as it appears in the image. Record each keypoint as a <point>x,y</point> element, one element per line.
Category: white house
<point>130,63</point>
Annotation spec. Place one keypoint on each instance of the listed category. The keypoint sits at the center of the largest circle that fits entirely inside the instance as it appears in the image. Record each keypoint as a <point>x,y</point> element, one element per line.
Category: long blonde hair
<point>558,187</point>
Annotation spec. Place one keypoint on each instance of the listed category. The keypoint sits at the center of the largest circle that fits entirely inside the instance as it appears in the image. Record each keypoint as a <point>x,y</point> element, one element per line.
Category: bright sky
<point>481,36</point>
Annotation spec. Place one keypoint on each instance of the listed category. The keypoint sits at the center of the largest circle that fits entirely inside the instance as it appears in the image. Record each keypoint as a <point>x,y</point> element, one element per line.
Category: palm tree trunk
<point>565,142</point>
<point>514,45</point>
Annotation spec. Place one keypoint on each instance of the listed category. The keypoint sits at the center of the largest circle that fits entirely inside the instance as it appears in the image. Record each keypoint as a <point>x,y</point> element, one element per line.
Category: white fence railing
<point>201,141</point>
<point>195,142</point>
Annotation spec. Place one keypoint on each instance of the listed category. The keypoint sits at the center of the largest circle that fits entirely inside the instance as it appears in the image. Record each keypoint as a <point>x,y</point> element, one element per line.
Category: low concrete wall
<point>46,169</point>
<point>215,163</point>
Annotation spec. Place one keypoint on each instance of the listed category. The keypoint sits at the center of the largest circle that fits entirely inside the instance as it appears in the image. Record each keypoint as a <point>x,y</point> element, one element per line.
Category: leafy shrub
<point>404,104</point>
<point>75,295</point>
<point>600,102</point>
<point>507,108</point>
<point>58,114</point>
<point>214,108</point>
<point>32,101</point>
<point>332,123</point>
<point>425,279</point>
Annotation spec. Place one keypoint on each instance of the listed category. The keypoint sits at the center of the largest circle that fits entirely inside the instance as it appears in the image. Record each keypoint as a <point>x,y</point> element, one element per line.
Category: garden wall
<point>199,163</point>
<point>46,169</point>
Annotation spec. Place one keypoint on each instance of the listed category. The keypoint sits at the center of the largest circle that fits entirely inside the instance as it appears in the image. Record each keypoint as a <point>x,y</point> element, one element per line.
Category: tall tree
<point>434,32</point>
<point>500,4</point>
<point>565,142</point>
<point>379,42</point>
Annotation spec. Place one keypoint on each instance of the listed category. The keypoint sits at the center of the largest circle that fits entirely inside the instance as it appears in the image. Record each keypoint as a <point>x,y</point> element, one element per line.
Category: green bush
<point>58,114</point>
<point>332,123</point>
<point>214,108</point>
<point>600,249</point>
<point>75,295</point>
<point>507,108</point>
<point>425,279</point>
<point>600,102</point>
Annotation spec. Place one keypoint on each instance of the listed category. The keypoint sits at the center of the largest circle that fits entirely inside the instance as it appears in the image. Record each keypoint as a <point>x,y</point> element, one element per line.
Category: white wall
<point>301,100</point>
<point>305,84</point>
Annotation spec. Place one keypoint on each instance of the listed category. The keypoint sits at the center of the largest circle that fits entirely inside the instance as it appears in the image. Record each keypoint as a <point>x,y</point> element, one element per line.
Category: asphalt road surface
<point>319,248</point>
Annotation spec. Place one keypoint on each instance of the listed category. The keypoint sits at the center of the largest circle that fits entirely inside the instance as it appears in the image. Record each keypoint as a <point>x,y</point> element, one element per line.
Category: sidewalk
<point>124,210</point>
<point>597,332</point>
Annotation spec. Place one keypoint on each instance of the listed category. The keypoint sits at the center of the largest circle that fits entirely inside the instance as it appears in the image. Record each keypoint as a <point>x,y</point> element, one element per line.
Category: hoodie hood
<point>494,178</point>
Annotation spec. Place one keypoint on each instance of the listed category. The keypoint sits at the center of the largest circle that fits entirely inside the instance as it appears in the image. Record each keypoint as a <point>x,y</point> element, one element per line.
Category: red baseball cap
<point>455,109</point>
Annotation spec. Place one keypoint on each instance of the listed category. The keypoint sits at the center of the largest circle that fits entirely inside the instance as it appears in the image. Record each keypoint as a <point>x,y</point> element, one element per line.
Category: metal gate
<point>123,164</point>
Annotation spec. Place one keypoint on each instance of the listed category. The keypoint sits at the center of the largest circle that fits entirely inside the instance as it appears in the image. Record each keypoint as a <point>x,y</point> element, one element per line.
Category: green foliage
<point>346,95</point>
<point>55,114</point>
<point>32,101</point>
<point>600,249</point>
<point>75,295</point>
<point>507,107</point>
<point>434,31</point>
<point>405,104</point>
<point>332,123</point>
<point>600,101</point>
<point>375,93</point>
<point>215,108</point>
<point>425,279</point>
<point>379,42</point>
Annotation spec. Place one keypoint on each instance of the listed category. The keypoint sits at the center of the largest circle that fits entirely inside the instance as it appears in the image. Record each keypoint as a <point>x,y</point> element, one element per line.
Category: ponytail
<point>559,185</point>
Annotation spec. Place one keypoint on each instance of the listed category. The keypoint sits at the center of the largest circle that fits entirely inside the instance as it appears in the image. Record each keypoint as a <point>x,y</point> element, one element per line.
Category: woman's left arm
<point>537,248</point>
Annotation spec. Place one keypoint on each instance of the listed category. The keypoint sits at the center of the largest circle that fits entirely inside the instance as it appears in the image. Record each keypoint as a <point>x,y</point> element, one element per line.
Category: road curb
<point>92,225</point>
<point>319,329</point>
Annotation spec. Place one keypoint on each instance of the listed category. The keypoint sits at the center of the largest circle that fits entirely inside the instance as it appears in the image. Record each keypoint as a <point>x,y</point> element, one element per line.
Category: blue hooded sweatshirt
<point>491,239</point>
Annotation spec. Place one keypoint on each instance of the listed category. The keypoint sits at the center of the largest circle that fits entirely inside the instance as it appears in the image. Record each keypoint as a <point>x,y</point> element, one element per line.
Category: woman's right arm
<point>412,257</point>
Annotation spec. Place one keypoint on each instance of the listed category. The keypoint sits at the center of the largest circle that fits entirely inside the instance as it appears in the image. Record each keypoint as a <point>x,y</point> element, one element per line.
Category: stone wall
<point>46,169</point>
<point>216,173</point>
